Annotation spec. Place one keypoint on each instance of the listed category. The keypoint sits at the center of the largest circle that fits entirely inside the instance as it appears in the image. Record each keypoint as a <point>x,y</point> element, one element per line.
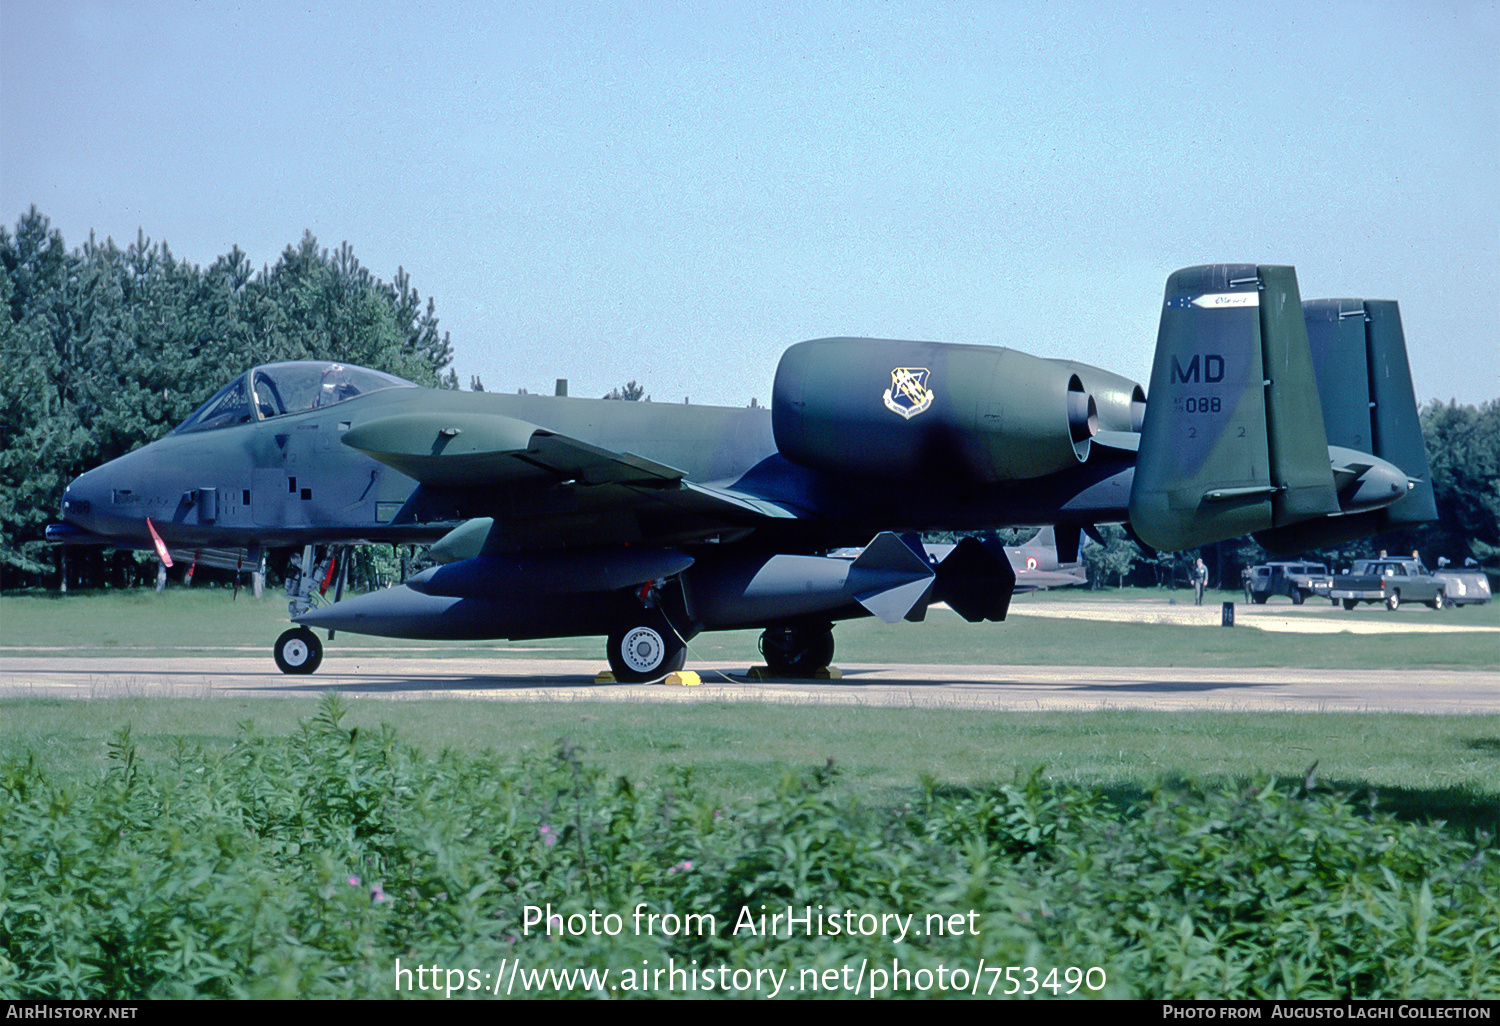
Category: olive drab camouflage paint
<point>649,522</point>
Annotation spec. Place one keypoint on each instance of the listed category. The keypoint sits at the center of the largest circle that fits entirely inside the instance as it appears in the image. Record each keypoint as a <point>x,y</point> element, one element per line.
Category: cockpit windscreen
<point>277,389</point>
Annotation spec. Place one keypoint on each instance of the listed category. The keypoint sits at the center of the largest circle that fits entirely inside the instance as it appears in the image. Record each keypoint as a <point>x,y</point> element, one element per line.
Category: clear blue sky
<point>676,192</point>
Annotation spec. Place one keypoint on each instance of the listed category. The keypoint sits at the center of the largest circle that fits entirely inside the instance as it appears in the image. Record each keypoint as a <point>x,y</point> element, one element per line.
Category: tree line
<point>106,349</point>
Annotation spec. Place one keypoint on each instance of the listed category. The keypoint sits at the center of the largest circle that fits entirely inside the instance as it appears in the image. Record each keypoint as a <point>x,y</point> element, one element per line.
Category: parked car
<point>1297,581</point>
<point>1392,581</point>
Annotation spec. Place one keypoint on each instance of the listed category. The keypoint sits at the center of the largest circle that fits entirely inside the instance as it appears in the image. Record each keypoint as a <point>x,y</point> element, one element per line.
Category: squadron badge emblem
<point>908,394</point>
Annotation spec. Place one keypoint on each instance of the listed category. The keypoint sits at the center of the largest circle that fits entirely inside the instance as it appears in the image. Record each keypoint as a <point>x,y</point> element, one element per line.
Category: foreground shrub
<point>308,865</point>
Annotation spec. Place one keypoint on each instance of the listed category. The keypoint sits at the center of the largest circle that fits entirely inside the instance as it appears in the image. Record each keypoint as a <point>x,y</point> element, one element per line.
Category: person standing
<point>1200,581</point>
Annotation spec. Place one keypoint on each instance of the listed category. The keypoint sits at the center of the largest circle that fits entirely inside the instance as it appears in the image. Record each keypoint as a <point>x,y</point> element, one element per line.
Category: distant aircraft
<point>1037,566</point>
<point>650,522</point>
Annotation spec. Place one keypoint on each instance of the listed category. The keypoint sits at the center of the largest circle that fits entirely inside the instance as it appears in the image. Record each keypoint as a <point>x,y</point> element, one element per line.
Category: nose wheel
<point>298,651</point>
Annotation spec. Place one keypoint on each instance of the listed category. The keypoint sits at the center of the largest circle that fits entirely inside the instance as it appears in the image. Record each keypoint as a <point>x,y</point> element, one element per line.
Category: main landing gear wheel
<point>797,651</point>
<point>645,652</point>
<point>298,651</point>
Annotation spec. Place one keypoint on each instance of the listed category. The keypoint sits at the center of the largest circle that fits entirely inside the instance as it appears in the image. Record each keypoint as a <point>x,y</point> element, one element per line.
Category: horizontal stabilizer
<point>1315,534</point>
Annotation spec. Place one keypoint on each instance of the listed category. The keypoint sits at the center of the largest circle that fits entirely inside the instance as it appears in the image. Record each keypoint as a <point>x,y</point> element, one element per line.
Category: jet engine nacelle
<point>887,408</point>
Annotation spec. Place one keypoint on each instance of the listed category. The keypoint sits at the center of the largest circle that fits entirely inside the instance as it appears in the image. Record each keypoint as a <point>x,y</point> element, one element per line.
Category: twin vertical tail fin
<point>1295,422</point>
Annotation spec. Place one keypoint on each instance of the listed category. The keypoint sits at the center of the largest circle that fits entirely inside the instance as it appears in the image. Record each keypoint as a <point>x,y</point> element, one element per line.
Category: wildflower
<point>549,836</point>
<point>377,894</point>
<point>354,881</point>
<point>681,867</point>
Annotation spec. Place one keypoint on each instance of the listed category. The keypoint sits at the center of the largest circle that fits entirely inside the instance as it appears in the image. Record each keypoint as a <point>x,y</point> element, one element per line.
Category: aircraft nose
<point>89,502</point>
<point>85,497</point>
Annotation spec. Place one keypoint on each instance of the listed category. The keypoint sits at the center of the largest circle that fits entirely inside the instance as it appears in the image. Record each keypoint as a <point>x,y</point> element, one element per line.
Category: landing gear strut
<point>299,650</point>
<point>797,650</point>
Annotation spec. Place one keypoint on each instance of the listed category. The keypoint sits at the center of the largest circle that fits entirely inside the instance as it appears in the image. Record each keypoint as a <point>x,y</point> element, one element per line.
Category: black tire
<point>1260,598</point>
<point>1350,603</point>
<point>1295,594</point>
<point>1393,601</point>
<point>1440,601</point>
<point>645,651</point>
<point>298,651</point>
<point>797,651</point>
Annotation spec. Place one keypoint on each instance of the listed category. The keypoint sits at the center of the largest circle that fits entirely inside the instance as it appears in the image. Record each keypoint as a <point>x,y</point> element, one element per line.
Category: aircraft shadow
<point>581,683</point>
<point>398,683</point>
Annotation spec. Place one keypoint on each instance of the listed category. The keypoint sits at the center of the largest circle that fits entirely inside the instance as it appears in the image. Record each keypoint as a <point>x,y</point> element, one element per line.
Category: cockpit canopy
<point>277,389</point>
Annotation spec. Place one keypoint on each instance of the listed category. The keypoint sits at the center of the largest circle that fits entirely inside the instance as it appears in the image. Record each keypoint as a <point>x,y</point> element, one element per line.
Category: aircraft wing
<point>470,449</point>
<point>548,488</point>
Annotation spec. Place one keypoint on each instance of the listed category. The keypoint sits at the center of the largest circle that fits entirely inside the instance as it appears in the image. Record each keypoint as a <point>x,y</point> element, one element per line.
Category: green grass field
<point>1440,767</point>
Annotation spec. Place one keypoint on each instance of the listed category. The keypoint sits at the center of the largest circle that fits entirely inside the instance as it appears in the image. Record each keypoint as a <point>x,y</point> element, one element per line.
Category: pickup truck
<point>1297,581</point>
<point>1392,581</point>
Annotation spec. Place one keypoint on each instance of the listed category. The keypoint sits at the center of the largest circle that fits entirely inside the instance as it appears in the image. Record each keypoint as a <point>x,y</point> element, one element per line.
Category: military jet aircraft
<point>650,522</point>
<point>1035,562</point>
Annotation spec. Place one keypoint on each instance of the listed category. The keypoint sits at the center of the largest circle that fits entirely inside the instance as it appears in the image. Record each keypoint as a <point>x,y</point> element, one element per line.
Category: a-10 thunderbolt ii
<point>649,522</point>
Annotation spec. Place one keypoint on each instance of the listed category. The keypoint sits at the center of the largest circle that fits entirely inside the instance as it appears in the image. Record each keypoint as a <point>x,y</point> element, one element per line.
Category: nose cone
<point>109,501</point>
<point>88,498</point>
